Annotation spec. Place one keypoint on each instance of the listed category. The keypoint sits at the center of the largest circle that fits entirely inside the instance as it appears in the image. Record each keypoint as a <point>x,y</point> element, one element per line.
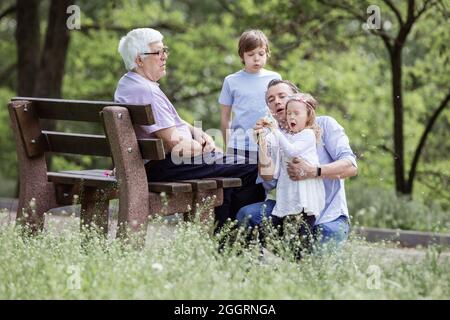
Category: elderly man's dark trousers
<point>222,166</point>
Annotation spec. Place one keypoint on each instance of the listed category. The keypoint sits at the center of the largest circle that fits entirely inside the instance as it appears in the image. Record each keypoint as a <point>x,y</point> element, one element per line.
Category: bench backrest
<point>28,111</point>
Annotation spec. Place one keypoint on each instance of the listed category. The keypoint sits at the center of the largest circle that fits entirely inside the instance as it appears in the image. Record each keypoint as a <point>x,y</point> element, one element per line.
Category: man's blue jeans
<point>336,230</point>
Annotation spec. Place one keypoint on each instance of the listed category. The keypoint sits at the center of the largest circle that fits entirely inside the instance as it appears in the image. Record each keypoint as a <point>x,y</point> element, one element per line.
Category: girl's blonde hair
<point>311,104</point>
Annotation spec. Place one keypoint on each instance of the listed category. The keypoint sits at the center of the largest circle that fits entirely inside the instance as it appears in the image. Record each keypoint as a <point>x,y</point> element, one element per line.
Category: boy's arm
<point>225,117</point>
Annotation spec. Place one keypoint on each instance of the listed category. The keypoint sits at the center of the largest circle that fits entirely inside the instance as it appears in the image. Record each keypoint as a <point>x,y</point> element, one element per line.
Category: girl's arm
<point>302,142</point>
<point>225,117</point>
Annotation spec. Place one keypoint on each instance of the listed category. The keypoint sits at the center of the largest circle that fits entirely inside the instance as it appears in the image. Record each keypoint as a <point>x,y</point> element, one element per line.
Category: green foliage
<point>382,208</point>
<point>319,48</point>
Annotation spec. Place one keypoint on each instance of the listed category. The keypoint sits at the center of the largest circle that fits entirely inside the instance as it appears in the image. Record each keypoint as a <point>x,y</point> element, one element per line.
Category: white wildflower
<point>157,266</point>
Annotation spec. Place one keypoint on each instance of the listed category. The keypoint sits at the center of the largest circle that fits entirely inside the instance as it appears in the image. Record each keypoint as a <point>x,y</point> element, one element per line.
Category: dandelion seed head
<point>157,266</point>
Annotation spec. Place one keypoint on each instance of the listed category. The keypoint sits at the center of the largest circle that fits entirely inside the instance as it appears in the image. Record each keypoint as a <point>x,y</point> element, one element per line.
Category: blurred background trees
<point>385,86</point>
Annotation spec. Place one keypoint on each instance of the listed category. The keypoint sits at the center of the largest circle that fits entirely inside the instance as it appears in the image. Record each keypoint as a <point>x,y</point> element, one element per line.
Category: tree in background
<point>395,45</point>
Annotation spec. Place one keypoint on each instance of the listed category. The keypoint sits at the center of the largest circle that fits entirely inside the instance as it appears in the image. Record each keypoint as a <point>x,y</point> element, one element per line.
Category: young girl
<point>299,139</point>
<point>243,94</point>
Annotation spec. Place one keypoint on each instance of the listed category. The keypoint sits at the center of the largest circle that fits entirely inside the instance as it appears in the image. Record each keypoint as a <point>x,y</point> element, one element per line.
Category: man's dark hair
<point>275,82</point>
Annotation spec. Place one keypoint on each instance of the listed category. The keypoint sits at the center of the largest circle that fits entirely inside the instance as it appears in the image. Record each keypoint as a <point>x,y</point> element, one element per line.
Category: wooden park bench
<point>41,190</point>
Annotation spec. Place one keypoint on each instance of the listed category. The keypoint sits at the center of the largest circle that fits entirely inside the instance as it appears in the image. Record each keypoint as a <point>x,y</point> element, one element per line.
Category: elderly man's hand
<point>299,169</point>
<point>207,143</point>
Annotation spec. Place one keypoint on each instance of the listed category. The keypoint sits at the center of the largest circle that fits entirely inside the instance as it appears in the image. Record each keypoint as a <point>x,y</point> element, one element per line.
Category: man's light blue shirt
<point>334,146</point>
<point>246,94</point>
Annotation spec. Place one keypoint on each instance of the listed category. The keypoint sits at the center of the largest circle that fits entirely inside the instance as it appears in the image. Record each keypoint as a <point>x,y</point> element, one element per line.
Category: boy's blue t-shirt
<point>245,93</point>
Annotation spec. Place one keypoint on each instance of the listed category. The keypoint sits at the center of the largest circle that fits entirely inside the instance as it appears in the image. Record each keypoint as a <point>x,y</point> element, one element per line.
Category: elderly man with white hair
<point>145,57</point>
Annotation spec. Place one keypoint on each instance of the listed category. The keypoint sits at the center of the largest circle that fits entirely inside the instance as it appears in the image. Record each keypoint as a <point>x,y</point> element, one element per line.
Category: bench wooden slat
<point>72,178</point>
<point>75,143</point>
<point>95,145</point>
<point>169,187</point>
<point>201,185</point>
<point>227,182</point>
<point>91,172</point>
<point>97,178</point>
<point>83,110</point>
<point>151,148</point>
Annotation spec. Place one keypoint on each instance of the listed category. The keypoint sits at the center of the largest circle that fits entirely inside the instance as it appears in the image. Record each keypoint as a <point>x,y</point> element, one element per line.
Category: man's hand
<point>259,135</point>
<point>206,142</point>
<point>299,169</point>
<point>259,124</point>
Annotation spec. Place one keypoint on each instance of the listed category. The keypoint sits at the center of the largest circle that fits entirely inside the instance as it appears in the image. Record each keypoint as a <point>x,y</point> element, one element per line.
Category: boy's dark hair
<point>252,39</point>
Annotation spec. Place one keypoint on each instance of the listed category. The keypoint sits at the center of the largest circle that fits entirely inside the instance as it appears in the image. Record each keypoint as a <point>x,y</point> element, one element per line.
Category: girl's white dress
<point>292,197</point>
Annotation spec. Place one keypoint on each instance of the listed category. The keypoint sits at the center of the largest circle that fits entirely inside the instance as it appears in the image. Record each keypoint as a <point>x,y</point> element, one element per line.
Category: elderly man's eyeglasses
<point>164,50</point>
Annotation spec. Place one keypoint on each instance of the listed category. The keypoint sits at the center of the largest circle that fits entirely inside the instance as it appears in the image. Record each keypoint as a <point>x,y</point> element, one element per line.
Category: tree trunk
<point>423,138</point>
<point>28,49</point>
<point>28,46</point>
<point>53,58</point>
<point>399,159</point>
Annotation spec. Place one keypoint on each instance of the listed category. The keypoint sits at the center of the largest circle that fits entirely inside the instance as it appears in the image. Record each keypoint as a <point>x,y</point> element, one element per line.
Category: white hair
<point>135,42</point>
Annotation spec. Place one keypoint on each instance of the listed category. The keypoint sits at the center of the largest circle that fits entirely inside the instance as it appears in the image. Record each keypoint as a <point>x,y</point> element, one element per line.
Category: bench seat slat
<point>72,178</point>
<point>201,185</point>
<point>83,110</point>
<point>97,178</point>
<point>169,187</point>
<point>227,182</point>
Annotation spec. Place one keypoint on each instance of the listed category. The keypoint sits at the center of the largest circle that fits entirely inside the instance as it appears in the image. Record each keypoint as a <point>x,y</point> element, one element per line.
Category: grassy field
<point>182,262</point>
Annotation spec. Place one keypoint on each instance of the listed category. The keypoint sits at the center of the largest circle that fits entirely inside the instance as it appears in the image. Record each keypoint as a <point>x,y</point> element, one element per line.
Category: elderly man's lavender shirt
<point>133,88</point>
<point>334,146</point>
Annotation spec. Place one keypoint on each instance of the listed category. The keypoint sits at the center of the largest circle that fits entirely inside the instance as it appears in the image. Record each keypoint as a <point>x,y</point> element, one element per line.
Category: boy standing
<point>243,95</point>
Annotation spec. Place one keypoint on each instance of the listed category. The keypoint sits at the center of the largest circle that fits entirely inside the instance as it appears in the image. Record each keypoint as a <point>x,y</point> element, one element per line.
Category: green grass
<point>183,263</point>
